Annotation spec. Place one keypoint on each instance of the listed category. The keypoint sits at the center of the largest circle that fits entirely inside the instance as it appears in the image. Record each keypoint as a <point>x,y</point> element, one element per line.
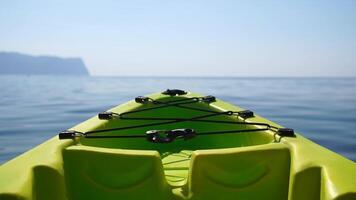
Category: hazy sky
<point>188,37</point>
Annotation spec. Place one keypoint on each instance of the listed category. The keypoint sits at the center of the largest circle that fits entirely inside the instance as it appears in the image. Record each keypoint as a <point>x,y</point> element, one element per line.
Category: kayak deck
<point>170,113</point>
<point>176,155</point>
<point>256,164</point>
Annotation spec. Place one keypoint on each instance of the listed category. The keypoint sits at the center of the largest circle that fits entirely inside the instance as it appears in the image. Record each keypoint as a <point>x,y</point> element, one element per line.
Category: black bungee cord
<point>167,136</point>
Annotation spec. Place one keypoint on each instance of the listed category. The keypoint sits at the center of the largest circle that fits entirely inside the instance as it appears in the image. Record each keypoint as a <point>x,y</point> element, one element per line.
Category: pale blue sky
<point>188,37</point>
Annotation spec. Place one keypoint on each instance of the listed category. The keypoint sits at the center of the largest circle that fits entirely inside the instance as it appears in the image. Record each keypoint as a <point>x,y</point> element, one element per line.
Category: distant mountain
<point>17,63</point>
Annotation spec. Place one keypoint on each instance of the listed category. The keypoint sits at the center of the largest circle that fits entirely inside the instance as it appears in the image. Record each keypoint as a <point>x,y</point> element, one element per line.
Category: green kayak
<point>178,145</point>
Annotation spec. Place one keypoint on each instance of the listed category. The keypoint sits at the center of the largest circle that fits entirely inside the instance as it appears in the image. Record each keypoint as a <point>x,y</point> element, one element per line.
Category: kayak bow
<point>178,145</point>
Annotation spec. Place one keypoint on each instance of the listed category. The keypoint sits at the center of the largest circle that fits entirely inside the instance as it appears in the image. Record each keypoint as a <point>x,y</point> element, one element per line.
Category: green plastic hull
<point>251,165</point>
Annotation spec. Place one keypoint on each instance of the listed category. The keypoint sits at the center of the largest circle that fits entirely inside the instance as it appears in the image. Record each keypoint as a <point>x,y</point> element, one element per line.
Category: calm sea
<point>35,108</point>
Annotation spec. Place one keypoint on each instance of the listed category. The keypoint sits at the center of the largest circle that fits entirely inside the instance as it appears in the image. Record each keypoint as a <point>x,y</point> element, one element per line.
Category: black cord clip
<point>106,115</point>
<point>245,114</point>
<point>174,92</point>
<point>156,136</point>
<point>142,99</point>
<point>208,99</point>
<point>69,134</point>
<point>288,132</point>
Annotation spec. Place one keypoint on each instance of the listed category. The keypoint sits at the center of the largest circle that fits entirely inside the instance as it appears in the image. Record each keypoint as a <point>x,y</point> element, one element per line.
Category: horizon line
<point>170,76</point>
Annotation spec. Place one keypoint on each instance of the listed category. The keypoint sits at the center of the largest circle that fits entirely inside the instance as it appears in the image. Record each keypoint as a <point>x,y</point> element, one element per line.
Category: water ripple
<point>35,108</point>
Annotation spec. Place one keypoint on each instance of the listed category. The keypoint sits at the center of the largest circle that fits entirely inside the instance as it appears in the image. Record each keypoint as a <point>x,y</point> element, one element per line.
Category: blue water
<point>35,108</point>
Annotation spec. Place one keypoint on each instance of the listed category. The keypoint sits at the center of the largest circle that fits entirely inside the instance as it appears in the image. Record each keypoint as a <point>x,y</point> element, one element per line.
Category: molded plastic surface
<point>241,173</point>
<point>230,166</point>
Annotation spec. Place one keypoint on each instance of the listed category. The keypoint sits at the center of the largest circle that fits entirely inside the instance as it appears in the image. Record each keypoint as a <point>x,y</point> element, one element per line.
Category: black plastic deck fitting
<point>174,92</point>
<point>164,136</point>
<point>288,132</point>
<point>246,114</point>
<point>142,99</point>
<point>105,115</point>
<point>67,135</point>
<point>208,99</point>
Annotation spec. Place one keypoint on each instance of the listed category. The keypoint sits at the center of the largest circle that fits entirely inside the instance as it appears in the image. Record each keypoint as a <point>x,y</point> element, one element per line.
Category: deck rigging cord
<point>167,136</point>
